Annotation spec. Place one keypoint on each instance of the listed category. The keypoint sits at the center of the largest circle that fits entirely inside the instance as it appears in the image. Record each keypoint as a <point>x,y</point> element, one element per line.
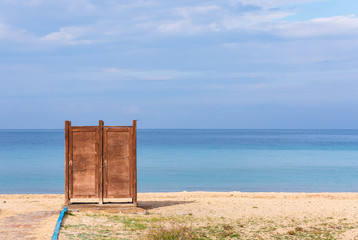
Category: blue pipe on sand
<point>58,224</point>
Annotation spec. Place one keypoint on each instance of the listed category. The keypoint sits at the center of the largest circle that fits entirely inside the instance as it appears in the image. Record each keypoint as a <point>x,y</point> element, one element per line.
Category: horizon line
<point>196,128</point>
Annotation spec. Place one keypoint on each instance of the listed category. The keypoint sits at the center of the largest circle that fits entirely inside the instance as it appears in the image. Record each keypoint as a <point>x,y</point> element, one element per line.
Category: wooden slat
<point>130,160</point>
<point>75,127</point>
<point>67,124</point>
<point>83,129</point>
<point>85,164</point>
<point>100,162</point>
<point>85,200</point>
<point>134,160</point>
<point>96,162</point>
<point>118,200</point>
<point>70,163</point>
<point>118,164</point>
<point>105,163</point>
<point>118,129</point>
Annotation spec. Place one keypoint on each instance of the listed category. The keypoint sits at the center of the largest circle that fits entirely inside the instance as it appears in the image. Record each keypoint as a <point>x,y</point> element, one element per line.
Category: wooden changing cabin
<point>100,164</point>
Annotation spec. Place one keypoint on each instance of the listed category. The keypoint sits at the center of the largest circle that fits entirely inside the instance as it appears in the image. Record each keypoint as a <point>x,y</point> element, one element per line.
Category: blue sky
<point>179,64</point>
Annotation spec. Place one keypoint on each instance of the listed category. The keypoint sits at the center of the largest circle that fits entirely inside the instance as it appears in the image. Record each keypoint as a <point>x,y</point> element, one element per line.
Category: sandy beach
<point>245,215</point>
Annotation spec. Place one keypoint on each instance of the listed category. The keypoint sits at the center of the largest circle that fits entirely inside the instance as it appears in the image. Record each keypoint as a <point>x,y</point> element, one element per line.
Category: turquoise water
<point>32,161</point>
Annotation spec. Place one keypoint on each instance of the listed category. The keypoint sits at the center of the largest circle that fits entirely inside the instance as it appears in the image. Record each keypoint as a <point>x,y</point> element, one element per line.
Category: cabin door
<point>83,163</point>
<point>117,163</point>
<point>100,164</point>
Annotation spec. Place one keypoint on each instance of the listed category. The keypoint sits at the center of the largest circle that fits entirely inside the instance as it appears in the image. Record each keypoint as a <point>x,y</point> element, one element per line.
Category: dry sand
<point>29,216</point>
<point>35,216</point>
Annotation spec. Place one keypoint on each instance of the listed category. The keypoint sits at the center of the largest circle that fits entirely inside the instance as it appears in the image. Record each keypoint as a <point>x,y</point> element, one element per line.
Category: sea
<point>174,160</point>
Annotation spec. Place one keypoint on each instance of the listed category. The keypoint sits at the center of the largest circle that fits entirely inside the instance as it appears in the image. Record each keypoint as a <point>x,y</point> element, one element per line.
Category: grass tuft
<point>133,223</point>
<point>227,230</point>
<point>69,213</point>
<point>172,231</point>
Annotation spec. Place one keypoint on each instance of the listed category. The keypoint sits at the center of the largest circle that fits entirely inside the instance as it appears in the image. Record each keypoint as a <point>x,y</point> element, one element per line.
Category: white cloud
<point>185,26</point>
<point>241,86</point>
<point>252,21</point>
<point>272,3</point>
<point>215,18</point>
<point>113,73</point>
<point>331,26</point>
<point>188,11</point>
<point>114,70</point>
<point>7,32</point>
<point>82,5</point>
<point>189,20</point>
<point>129,74</point>
<point>113,21</point>
<point>21,2</point>
<point>69,5</point>
<point>69,35</point>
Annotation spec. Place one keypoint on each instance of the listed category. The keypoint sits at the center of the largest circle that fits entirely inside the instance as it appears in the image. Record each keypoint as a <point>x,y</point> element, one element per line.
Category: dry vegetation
<point>224,216</point>
<point>152,227</point>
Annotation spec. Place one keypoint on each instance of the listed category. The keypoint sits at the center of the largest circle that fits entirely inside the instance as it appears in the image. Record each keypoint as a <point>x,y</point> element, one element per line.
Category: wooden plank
<point>100,162</point>
<point>134,160</point>
<point>130,160</point>
<point>67,124</point>
<point>84,200</point>
<point>118,164</point>
<point>85,164</point>
<point>110,129</point>
<point>105,163</point>
<point>118,200</point>
<point>96,163</point>
<point>70,162</point>
<point>84,129</point>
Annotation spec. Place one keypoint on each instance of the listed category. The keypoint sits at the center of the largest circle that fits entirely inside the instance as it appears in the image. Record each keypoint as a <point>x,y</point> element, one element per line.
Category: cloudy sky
<point>179,64</point>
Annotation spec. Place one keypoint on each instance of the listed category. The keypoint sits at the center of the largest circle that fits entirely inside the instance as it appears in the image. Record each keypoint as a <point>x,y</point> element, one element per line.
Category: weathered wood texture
<point>67,129</point>
<point>117,168</point>
<point>84,160</point>
<point>134,161</point>
<point>100,163</point>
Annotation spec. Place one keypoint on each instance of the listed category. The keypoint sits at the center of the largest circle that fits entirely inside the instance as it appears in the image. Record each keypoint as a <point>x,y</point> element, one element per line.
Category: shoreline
<point>188,191</point>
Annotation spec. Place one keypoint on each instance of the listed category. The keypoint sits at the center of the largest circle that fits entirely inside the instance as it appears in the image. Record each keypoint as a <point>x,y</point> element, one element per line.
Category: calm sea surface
<point>32,161</point>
